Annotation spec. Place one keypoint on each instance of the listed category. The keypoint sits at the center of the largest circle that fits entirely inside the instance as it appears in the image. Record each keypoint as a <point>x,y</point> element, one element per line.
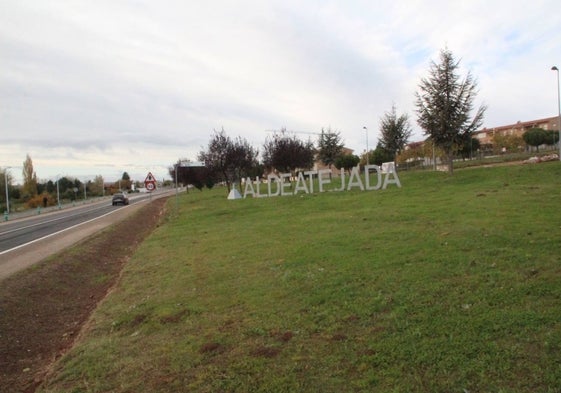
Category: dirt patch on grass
<point>42,309</point>
<point>266,352</point>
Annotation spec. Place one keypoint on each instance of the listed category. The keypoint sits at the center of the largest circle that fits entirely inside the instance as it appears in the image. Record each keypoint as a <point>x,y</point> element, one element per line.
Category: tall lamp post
<point>554,68</point>
<point>177,166</point>
<point>85,184</point>
<point>57,192</point>
<point>367,159</point>
<point>7,194</point>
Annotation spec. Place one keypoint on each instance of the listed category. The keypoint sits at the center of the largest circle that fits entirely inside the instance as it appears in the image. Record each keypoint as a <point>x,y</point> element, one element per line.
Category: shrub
<point>39,200</point>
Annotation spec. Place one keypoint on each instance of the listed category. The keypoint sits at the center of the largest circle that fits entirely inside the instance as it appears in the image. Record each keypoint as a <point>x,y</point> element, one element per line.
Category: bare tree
<point>216,157</point>
<point>242,159</point>
<point>228,160</point>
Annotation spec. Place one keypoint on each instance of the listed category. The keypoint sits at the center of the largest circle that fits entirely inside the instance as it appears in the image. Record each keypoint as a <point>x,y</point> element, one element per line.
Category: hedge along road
<point>52,236</point>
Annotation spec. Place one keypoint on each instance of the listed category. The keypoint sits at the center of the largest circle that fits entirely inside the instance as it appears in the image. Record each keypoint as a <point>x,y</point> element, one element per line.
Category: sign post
<point>150,182</point>
<point>183,164</point>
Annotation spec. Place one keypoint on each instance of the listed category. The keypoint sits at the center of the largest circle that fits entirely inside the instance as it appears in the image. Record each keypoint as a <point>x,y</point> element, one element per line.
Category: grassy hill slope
<point>448,284</point>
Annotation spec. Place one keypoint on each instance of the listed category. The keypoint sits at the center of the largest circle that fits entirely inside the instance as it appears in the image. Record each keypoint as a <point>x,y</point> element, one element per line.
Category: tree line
<point>229,160</point>
<point>35,193</point>
<point>444,105</point>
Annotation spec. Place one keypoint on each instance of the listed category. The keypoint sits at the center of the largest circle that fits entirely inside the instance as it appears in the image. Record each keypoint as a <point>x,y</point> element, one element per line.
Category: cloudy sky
<point>108,86</point>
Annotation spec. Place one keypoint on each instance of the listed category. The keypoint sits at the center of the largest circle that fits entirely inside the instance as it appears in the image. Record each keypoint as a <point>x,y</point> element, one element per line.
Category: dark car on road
<point>120,198</point>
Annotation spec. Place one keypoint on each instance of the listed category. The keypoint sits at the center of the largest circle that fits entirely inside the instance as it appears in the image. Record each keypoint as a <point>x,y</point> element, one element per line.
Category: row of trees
<point>516,143</point>
<point>537,137</point>
<point>34,193</point>
<point>443,105</point>
<point>229,160</point>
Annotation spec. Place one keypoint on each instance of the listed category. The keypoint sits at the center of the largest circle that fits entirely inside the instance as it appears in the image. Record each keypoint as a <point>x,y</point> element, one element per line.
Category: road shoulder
<point>43,308</point>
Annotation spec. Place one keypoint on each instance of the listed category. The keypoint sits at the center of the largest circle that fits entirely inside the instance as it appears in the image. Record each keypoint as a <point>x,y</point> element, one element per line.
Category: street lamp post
<point>554,68</point>
<point>7,194</point>
<point>367,159</point>
<point>183,164</point>
<point>57,192</point>
<point>176,190</point>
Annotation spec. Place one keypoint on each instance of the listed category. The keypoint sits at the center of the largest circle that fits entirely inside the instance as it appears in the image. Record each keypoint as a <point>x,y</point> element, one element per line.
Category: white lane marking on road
<point>49,221</point>
<point>63,230</point>
<point>68,214</point>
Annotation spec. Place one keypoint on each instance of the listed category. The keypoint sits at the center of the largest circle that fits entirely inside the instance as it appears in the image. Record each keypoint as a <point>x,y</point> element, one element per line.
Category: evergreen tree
<point>380,155</point>
<point>395,131</point>
<point>330,147</point>
<point>444,104</point>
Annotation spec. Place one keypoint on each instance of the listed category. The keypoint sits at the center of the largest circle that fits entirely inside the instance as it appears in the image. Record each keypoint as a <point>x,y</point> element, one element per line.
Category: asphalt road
<point>26,241</point>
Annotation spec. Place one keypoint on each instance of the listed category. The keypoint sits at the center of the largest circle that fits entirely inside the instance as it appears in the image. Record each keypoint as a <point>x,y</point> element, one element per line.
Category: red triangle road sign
<point>150,182</point>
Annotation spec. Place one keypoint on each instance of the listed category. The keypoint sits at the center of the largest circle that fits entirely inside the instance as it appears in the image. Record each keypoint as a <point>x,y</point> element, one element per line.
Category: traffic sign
<point>150,182</point>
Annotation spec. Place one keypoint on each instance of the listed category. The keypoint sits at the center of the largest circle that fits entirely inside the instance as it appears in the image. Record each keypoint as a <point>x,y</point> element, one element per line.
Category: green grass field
<point>448,284</point>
